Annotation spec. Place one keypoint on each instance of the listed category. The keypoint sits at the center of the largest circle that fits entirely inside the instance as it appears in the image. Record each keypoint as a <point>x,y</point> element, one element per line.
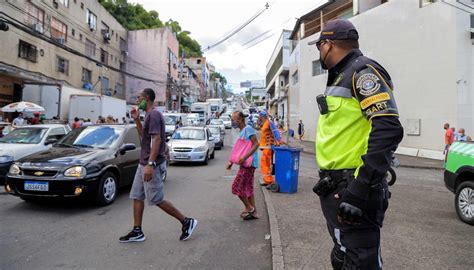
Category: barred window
<point>35,16</point>
<point>62,65</point>
<point>86,75</point>
<point>27,51</point>
<point>104,56</point>
<point>90,48</point>
<point>58,31</point>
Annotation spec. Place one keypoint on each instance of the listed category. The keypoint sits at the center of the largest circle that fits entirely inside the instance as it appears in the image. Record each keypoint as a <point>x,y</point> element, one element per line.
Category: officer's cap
<point>337,30</point>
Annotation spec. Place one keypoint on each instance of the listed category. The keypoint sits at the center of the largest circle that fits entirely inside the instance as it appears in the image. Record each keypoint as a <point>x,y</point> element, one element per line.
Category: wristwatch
<point>151,163</point>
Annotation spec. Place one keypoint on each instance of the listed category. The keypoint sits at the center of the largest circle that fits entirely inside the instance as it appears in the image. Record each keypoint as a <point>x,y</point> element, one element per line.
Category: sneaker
<point>133,236</point>
<point>189,225</point>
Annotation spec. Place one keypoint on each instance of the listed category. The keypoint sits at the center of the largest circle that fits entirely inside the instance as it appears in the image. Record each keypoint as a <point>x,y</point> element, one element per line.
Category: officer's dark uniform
<point>357,132</point>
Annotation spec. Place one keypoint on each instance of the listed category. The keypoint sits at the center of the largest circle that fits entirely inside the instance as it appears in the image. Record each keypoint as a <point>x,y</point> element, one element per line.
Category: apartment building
<point>425,45</point>
<point>200,67</point>
<point>278,76</point>
<point>71,42</point>
<point>153,53</point>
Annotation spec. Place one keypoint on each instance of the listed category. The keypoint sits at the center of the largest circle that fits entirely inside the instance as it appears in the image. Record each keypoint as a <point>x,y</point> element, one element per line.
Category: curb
<point>277,251</point>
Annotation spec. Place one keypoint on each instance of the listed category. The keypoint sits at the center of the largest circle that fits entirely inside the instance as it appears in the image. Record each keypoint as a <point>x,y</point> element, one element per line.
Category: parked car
<point>217,135</point>
<point>218,122</point>
<point>91,162</point>
<point>27,140</point>
<point>192,144</point>
<point>227,121</point>
<point>459,178</point>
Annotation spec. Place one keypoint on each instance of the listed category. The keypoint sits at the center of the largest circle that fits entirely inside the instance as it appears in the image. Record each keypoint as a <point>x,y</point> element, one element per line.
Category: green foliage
<point>135,17</point>
<point>221,78</point>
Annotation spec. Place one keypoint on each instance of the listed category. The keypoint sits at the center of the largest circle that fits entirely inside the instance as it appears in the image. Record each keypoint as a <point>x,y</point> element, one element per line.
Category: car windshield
<point>225,118</point>
<point>92,137</point>
<point>25,136</point>
<point>215,130</point>
<point>217,122</point>
<point>170,120</point>
<point>189,134</point>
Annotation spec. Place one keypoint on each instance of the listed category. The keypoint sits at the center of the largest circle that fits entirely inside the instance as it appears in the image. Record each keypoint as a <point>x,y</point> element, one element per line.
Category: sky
<point>210,20</point>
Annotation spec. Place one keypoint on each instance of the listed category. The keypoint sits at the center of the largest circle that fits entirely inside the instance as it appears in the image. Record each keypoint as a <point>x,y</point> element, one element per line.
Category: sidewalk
<point>405,161</point>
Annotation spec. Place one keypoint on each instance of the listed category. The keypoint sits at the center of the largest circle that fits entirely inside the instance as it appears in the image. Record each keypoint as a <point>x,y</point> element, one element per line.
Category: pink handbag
<point>240,149</point>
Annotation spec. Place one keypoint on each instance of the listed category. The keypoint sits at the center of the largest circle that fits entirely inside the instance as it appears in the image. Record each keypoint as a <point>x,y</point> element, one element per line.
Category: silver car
<point>192,144</point>
<point>218,122</point>
<point>227,121</point>
<point>218,137</point>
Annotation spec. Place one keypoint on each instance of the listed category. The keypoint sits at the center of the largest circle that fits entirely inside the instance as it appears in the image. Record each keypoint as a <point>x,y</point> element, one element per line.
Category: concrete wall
<point>148,57</point>
<point>75,18</point>
<point>426,51</point>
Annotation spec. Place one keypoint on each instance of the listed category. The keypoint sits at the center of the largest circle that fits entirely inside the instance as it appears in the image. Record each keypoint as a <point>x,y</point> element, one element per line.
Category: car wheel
<point>464,202</point>
<point>206,159</point>
<point>107,189</point>
<point>213,154</point>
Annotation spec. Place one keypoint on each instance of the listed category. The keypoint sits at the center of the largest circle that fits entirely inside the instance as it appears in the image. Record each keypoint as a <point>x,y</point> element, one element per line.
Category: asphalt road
<point>421,229</point>
<point>66,234</point>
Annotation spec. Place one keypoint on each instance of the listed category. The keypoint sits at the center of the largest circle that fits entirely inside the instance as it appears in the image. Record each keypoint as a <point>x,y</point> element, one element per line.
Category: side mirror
<point>127,147</point>
<point>50,141</point>
<point>211,138</point>
<point>168,138</point>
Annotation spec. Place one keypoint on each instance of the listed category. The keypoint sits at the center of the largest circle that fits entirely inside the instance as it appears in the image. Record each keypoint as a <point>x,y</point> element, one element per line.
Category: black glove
<point>351,209</point>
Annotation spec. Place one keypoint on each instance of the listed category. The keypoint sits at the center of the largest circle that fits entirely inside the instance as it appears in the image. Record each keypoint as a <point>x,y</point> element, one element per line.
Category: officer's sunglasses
<point>320,43</point>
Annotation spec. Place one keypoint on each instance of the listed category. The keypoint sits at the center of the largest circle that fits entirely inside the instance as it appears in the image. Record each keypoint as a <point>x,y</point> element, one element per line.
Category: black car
<point>92,162</point>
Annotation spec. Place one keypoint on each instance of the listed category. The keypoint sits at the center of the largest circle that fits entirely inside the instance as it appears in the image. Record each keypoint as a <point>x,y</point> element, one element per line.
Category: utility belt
<point>330,179</point>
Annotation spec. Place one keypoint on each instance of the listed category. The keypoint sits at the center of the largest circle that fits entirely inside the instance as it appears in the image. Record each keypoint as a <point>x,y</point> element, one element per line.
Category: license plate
<point>37,186</point>
<point>183,156</point>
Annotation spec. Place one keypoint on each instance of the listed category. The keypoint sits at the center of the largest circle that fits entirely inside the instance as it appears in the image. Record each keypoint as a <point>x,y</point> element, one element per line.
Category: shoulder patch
<point>368,84</point>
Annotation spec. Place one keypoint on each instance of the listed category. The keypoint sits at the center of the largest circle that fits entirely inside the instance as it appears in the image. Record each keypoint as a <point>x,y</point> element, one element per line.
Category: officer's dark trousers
<point>357,246</point>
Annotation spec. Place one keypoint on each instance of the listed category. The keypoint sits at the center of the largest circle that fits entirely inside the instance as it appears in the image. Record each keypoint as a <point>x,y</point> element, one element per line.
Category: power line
<point>238,29</point>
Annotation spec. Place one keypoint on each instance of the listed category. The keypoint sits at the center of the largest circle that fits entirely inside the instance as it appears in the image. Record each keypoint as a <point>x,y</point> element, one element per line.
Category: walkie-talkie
<point>322,104</point>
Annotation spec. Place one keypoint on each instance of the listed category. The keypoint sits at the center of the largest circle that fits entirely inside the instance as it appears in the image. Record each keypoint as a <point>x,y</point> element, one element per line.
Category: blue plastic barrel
<point>287,164</point>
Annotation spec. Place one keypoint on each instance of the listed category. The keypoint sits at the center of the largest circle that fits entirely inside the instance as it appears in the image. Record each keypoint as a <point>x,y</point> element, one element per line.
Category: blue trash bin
<point>287,164</point>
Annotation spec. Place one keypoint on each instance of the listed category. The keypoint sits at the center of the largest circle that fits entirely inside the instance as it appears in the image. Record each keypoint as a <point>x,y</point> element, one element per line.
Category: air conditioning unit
<point>38,27</point>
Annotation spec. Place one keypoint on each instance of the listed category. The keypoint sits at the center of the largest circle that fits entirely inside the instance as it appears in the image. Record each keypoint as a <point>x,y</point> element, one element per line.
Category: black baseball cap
<point>337,30</point>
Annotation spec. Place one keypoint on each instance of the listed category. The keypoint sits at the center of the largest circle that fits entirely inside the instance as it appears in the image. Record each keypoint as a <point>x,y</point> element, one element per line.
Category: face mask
<point>142,105</point>
<point>235,124</point>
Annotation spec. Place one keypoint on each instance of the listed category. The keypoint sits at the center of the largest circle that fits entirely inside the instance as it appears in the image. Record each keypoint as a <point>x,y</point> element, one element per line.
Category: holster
<point>329,181</point>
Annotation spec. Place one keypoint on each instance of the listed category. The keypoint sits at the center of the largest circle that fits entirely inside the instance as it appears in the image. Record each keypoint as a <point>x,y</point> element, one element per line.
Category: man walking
<point>357,131</point>
<point>448,138</point>
<point>267,139</point>
<point>148,182</point>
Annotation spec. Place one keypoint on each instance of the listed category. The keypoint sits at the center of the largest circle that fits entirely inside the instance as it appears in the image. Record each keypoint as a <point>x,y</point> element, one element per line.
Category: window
<point>58,31</point>
<point>35,17</point>
<point>27,51</point>
<point>123,45</point>
<point>73,32</point>
<point>90,48</point>
<point>198,61</point>
<point>64,2</point>
<point>105,32</point>
<point>82,5</point>
<point>317,69</point>
<point>472,21</point>
<point>86,75</point>
<point>56,133</point>
<point>132,137</point>
<point>122,66</point>
<point>104,56</point>
<point>104,83</point>
<point>91,20</point>
<point>80,37</point>
<point>295,78</point>
<point>62,65</point>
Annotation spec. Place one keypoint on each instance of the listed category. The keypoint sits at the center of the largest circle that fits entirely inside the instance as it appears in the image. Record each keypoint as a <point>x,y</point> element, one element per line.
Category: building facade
<point>201,69</point>
<point>61,42</point>
<point>426,46</point>
<point>278,76</point>
<point>153,53</point>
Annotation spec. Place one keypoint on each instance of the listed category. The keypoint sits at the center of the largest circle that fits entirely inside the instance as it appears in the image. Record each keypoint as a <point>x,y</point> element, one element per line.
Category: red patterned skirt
<point>243,182</point>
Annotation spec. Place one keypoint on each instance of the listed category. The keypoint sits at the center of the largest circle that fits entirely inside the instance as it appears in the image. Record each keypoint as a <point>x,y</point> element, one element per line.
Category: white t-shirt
<point>18,121</point>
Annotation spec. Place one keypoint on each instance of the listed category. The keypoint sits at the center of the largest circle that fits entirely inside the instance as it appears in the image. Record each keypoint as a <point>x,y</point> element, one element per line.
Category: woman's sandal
<point>251,215</point>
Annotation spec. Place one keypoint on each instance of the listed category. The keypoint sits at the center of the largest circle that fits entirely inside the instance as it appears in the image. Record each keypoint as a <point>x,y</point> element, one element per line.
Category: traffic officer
<point>357,132</point>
